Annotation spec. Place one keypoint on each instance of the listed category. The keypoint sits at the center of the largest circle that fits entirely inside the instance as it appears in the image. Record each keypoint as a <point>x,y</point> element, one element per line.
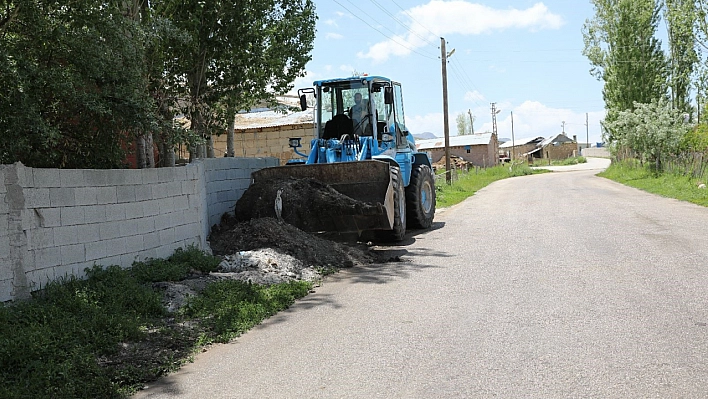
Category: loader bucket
<point>368,182</point>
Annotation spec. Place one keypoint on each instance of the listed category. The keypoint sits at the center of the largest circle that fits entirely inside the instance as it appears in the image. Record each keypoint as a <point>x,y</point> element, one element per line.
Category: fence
<point>57,222</point>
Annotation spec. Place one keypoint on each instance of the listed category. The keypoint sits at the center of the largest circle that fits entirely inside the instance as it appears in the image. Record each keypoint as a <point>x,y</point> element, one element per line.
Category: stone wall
<point>479,155</point>
<point>267,141</point>
<point>561,151</point>
<point>57,222</point>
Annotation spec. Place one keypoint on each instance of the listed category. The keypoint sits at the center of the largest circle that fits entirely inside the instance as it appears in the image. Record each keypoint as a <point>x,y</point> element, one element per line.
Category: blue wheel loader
<point>362,149</point>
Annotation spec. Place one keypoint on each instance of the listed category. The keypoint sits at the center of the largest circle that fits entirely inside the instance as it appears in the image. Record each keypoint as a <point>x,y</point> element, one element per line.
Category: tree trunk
<point>210,147</point>
<point>230,133</point>
<point>140,152</point>
<point>149,151</point>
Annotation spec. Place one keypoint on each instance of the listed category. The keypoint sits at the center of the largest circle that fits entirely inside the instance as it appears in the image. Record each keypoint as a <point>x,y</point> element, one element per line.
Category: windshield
<point>347,109</point>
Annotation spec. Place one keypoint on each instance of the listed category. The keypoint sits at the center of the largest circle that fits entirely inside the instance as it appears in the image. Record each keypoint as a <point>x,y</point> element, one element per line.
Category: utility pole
<point>563,126</point>
<point>446,123</point>
<point>494,118</point>
<point>513,143</point>
<point>469,111</point>
<point>587,130</point>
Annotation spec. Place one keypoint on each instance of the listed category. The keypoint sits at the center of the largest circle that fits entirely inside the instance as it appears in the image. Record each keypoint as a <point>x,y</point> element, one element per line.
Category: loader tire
<point>420,197</point>
<point>399,210</point>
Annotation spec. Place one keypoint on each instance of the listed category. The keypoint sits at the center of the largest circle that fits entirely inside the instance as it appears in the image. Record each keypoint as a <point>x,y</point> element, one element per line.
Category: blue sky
<point>526,56</point>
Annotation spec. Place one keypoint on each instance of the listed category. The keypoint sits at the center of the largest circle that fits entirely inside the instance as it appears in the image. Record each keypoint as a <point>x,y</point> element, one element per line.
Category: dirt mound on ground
<point>306,203</point>
<point>232,236</point>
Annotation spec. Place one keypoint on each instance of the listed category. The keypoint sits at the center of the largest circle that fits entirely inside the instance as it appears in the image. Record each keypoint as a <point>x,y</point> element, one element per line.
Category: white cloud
<point>474,96</point>
<point>303,82</point>
<point>460,17</point>
<point>334,36</point>
<point>331,22</point>
<point>426,123</point>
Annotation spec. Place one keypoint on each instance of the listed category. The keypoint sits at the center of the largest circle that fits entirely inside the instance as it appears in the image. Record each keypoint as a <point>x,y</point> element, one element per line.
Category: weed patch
<point>643,177</point>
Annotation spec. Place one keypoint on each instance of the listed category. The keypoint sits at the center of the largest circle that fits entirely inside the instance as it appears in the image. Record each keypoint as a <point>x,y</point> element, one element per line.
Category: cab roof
<point>350,79</point>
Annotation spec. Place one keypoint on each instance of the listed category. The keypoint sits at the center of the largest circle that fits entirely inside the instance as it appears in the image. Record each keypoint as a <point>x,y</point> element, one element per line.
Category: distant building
<point>478,149</point>
<point>521,148</point>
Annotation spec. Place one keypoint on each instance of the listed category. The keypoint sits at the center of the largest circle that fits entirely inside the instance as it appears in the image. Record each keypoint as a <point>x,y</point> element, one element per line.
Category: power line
<point>382,8</point>
<point>383,34</point>
<point>413,19</point>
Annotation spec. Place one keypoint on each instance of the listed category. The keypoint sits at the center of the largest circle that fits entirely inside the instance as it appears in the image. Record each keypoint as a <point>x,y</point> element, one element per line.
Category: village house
<point>478,149</point>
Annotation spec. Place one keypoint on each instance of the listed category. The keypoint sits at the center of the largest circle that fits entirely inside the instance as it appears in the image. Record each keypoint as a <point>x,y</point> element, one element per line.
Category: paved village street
<point>547,286</point>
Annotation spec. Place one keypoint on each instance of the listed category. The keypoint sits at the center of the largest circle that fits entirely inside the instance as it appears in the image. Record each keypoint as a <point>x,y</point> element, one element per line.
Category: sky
<point>525,56</point>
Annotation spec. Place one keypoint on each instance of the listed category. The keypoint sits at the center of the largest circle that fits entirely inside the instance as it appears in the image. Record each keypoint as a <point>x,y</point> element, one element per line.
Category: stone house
<point>478,149</point>
<point>521,148</point>
<point>558,147</point>
<point>267,134</point>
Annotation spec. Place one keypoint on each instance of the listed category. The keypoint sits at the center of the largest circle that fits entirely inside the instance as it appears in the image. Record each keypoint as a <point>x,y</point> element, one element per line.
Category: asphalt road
<point>549,286</point>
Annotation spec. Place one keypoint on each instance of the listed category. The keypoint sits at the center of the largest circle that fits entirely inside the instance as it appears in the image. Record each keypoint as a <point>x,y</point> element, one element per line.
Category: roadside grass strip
<point>470,182</point>
<point>108,334</point>
<point>670,185</point>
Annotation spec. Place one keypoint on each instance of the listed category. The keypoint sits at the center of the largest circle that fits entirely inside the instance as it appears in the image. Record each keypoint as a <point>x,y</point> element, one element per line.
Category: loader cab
<point>378,113</point>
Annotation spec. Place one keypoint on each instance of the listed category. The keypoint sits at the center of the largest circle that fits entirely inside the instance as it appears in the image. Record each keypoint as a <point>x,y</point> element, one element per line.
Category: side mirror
<point>388,95</point>
<point>303,102</point>
<point>303,99</point>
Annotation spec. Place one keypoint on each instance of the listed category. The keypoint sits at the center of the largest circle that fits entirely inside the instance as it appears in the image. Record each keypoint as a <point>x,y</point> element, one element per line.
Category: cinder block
<point>129,227</point>
<point>181,203</point>
<point>95,213</point>
<point>72,178</point>
<point>37,198</point>
<point>133,176</point>
<point>6,290</point>
<point>165,175</point>
<point>47,257</point>
<point>72,215</point>
<point>150,176</point>
<point>86,196</point>
<point>116,246</point>
<point>125,194</point>
<point>150,253</point>
<point>189,187</point>
<point>96,178</point>
<point>164,221</point>
<point>127,260</point>
<point>38,238</point>
<point>165,251</point>
<point>96,250</point>
<point>88,233</point>
<point>115,212</point>
<point>167,236</point>
<point>195,201</point>
<point>116,177</point>
<point>135,243</point>
<point>143,192</point>
<point>65,235</point>
<point>5,268</point>
<point>109,230</point>
<point>180,173</point>
<point>25,176</point>
<point>151,240</point>
<point>62,196</point>
<point>106,195</point>
<point>134,210</point>
<point>173,188</point>
<point>167,205</point>
<point>159,190</point>
<point>146,225</point>
<point>48,217</point>
<point>66,271</point>
<point>151,208</point>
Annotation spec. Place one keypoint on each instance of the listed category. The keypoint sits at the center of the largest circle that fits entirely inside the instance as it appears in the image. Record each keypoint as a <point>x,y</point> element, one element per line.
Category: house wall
<point>479,155</point>
<point>57,222</point>
<point>561,151</point>
<point>267,141</point>
<point>519,150</point>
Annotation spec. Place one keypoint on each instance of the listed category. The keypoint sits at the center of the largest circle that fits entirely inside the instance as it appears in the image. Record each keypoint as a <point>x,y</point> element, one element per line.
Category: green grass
<point>676,186</point>
<point>469,183</point>
<point>69,340</point>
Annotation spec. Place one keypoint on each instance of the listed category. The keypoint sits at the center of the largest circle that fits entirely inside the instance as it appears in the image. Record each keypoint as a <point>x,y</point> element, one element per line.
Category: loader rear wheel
<point>420,196</point>
<point>399,210</point>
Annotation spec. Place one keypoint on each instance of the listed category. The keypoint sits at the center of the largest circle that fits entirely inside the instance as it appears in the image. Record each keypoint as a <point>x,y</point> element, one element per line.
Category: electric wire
<point>408,28</point>
<point>383,34</point>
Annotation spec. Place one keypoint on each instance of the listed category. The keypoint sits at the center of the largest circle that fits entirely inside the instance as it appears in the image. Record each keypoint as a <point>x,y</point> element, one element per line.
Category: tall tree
<point>241,52</point>
<point>681,17</point>
<point>622,48</point>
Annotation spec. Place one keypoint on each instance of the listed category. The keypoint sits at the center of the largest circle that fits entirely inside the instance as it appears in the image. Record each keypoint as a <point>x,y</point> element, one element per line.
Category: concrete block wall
<point>57,222</point>
<point>267,141</point>
<point>226,180</point>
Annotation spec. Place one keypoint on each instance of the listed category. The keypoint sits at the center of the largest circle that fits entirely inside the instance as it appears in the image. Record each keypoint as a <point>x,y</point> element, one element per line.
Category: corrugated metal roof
<point>455,141</point>
<point>561,138</point>
<point>253,120</point>
<point>518,142</point>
